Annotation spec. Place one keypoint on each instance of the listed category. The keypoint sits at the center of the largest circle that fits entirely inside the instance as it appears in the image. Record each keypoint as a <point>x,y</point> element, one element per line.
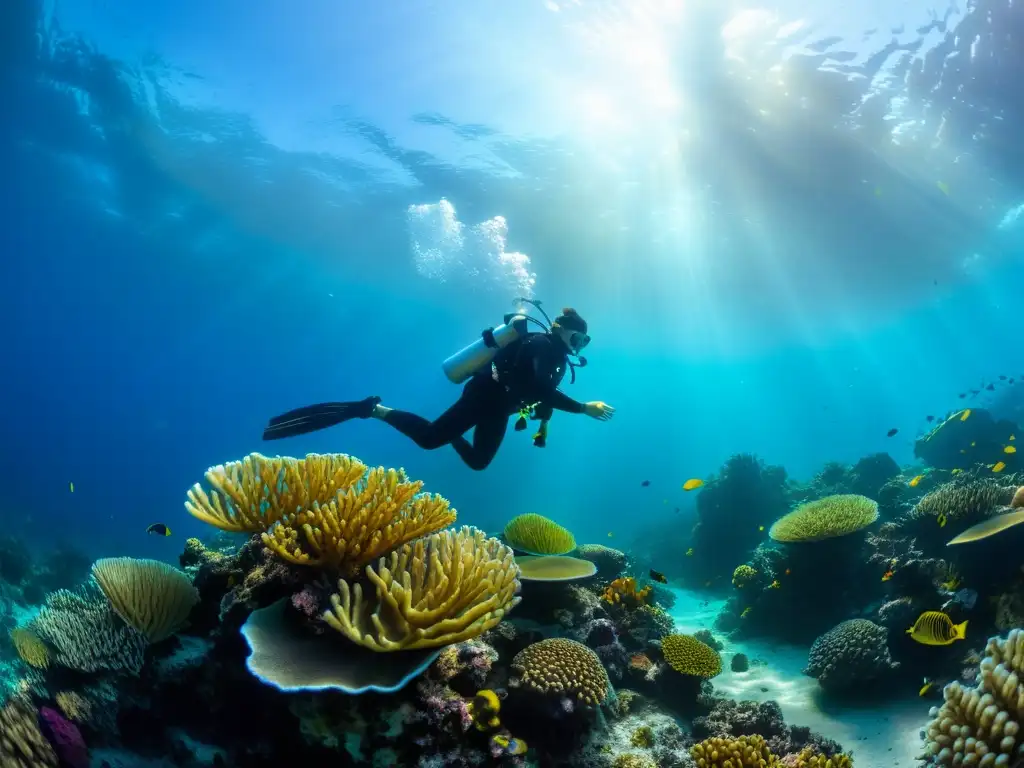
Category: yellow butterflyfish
<point>965,415</point>
<point>999,466</point>
<point>913,483</point>
<point>692,484</point>
<point>936,628</point>
<point>689,552</point>
<point>1009,449</point>
<point>926,687</point>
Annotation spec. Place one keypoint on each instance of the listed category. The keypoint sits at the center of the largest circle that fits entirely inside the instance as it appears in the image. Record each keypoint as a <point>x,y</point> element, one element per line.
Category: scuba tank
<point>472,357</point>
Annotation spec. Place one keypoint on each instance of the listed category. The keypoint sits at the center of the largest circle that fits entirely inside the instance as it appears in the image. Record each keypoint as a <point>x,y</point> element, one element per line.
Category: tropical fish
<point>887,575</point>
<point>760,527</point>
<point>974,443</point>
<point>936,628</point>
<point>929,418</point>
<point>508,745</point>
<point>483,710</point>
<point>72,487</point>
<point>692,484</point>
<point>956,471</point>
<point>1002,378</point>
<point>917,479</point>
<point>1009,449</point>
<point>926,687</point>
<point>1012,438</point>
<point>999,466</point>
<point>892,432</point>
<point>991,388</point>
<point>941,519</point>
<point>965,415</point>
<point>658,577</point>
<point>610,534</point>
<point>645,483</point>
<point>950,585</point>
<point>689,552</point>
<point>746,611</point>
<point>787,571</point>
<point>774,585</point>
<point>962,395</point>
<point>159,529</point>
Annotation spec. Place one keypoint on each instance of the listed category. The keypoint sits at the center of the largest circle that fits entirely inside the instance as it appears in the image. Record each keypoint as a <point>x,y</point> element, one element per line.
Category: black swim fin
<point>311,418</point>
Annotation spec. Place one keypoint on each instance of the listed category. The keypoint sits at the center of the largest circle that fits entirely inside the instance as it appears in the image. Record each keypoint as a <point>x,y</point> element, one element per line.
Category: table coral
<point>826,518</point>
<point>851,653</point>
<point>982,725</point>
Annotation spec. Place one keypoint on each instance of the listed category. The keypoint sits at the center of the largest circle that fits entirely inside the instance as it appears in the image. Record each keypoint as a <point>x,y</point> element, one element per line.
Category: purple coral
<point>306,602</point>
<point>65,737</point>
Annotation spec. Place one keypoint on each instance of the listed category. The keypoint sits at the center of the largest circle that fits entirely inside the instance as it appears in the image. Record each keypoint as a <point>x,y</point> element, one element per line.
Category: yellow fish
<point>913,483</point>
<point>926,687</point>
<point>887,575</point>
<point>746,610</point>
<point>760,527</point>
<point>72,487</point>
<point>941,519</point>
<point>965,415</point>
<point>692,484</point>
<point>936,628</point>
<point>609,534</point>
<point>950,585</point>
<point>689,552</point>
<point>999,466</point>
<point>774,585</point>
<point>1009,449</point>
<point>1012,438</point>
<point>943,187</point>
<point>973,444</point>
<point>956,472</point>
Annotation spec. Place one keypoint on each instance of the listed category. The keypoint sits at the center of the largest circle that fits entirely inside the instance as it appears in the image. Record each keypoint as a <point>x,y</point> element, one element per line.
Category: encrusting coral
<point>852,653</point>
<point>562,667</point>
<point>444,589</point>
<point>689,656</point>
<point>982,725</point>
<point>323,510</point>
<point>153,597</point>
<point>537,535</point>
<point>826,518</point>
<point>741,752</point>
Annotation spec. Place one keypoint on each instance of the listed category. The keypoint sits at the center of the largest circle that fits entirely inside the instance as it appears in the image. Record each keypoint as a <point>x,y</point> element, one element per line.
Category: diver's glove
<point>596,409</point>
<point>540,440</point>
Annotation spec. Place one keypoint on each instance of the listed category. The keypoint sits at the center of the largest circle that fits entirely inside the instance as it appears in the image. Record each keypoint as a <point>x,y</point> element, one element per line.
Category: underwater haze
<point>795,231</point>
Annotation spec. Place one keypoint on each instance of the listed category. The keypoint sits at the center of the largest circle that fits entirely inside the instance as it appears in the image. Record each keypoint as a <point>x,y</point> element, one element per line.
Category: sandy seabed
<point>886,734</point>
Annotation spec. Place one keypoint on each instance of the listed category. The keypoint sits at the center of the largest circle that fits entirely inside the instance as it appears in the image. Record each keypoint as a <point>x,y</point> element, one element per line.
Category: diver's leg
<point>450,425</point>
<point>487,437</point>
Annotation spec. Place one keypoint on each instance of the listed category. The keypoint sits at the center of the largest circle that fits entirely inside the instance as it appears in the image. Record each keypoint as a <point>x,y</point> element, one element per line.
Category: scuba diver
<point>510,371</point>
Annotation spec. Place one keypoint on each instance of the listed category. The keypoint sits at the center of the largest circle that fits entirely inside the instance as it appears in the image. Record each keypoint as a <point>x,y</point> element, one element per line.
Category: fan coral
<point>743,575</point>
<point>689,656</point>
<point>562,667</point>
<point>537,535</point>
<point>826,518</point>
<point>85,633</point>
<point>436,591</point>
<point>611,563</point>
<point>623,591</point>
<point>960,500</point>
<point>741,752</point>
<point>22,744</point>
<point>30,648</point>
<point>982,725</point>
<point>151,596</point>
<point>851,653</point>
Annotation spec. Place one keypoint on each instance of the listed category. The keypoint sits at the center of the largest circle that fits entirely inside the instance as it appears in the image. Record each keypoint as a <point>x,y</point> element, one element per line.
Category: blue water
<point>212,213</point>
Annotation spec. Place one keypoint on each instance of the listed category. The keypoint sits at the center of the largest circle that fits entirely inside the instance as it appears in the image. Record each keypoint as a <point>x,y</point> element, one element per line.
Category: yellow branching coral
<point>75,707</point>
<point>689,656</point>
<point>30,648</point>
<point>537,535</point>
<point>826,518</point>
<point>436,591</point>
<point>808,758</point>
<point>562,667</point>
<point>365,521</point>
<point>153,597</point>
<point>22,744</point>
<point>743,575</point>
<point>250,495</point>
<point>741,752</point>
<point>623,591</point>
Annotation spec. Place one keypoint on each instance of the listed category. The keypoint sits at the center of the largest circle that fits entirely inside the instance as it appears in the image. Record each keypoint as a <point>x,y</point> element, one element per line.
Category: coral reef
<point>982,725</point>
<point>850,655</point>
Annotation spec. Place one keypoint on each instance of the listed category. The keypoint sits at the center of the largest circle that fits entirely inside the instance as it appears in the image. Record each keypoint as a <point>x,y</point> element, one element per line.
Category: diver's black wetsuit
<point>526,372</point>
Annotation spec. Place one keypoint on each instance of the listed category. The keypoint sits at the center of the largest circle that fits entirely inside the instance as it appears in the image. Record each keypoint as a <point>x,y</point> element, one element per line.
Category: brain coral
<point>741,752</point>
<point>982,726</point>
<point>826,518</point>
<point>850,653</point>
<point>562,667</point>
<point>689,656</point>
<point>537,535</point>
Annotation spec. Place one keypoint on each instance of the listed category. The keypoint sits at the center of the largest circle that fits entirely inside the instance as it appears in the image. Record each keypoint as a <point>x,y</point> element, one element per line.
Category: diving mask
<point>578,342</point>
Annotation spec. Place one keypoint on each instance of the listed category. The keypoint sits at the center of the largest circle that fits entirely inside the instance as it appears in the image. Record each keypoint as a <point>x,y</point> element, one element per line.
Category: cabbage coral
<point>826,518</point>
<point>537,535</point>
<point>436,591</point>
